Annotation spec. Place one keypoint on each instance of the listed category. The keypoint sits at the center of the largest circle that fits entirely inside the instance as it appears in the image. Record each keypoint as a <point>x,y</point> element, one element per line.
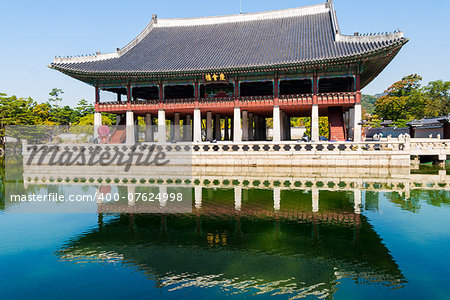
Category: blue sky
<point>33,32</point>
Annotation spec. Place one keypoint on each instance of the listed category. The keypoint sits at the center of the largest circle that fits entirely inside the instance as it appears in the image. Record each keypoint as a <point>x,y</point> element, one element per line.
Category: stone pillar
<point>162,192</point>
<point>351,123</point>
<point>177,128</point>
<point>245,125</point>
<point>162,137</point>
<point>346,119</point>
<point>197,124</point>
<point>217,129</point>
<point>187,129</point>
<point>227,129</point>
<point>130,131</point>
<point>264,129</point>
<point>276,124</point>
<point>97,123</point>
<point>282,127</point>
<point>209,132</point>
<point>288,128</point>
<point>315,123</point>
<point>131,190</point>
<point>148,128</point>
<point>237,132</point>
<point>315,199</point>
<point>357,127</point>
<point>251,134</point>
<point>358,202</point>
<point>277,198</point>
<point>238,198</point>
<point>171,130</point>
<point>257,136</point>
<point>198,196</point>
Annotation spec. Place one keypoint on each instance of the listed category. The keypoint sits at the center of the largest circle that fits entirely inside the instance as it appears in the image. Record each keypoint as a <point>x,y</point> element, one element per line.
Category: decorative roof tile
<point>288,37</point>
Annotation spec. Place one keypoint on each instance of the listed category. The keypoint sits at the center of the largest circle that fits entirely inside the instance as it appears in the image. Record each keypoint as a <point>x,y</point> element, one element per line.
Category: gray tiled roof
<point>294,36</point>
<point>435,121</point>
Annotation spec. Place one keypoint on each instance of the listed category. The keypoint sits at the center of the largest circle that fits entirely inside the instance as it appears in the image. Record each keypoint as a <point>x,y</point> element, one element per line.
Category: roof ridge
<point>267,15</point>
<point>197,21</point>
<point>273,14</point>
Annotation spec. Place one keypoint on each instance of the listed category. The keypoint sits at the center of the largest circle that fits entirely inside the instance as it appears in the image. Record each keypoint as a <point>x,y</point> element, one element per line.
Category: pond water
<point>243,239</point>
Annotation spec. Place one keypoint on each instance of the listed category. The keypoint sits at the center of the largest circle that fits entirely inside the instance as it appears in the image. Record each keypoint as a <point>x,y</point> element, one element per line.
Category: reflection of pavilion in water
<point>280,231</point>
<point>246,251</point>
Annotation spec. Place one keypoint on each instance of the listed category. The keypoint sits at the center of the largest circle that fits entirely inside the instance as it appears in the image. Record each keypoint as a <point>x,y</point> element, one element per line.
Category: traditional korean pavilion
<point>226,76</point>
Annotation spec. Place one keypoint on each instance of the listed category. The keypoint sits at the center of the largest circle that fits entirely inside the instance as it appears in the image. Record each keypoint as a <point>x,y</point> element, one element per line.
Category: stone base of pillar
<point>237,132</point>
<point>197,126</point>
<point>162,137</point>
<point>315,123</point>
<point>130,131</point>
<point>276,124</point>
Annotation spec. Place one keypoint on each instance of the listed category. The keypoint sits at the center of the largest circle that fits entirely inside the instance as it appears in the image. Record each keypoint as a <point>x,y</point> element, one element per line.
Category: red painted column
<point>97,95</point>
<point>358,88</point>
<point>129,93</point>
<point>315,89</point>
<point>129,96</point>
<point>276,90</point>
<point>236,87</point>
<point>237,92</point>
<point>196,90</point>
<point>161,92</point>
<point>196,94</point>
<point>161,95</point>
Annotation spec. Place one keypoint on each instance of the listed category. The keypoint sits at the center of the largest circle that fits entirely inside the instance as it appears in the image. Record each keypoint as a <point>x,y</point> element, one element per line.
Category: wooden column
<point>97,95</point>
<point>129,93</point>
<point>358,88</point>
<point>196,90</point>
<point>276,88</point>
<point>276,91</point>
<point>161,92</point>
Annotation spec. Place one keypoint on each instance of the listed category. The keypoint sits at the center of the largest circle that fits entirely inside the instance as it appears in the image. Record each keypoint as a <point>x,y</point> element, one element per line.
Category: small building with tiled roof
<point>430,127</point>
<point>237,71</point>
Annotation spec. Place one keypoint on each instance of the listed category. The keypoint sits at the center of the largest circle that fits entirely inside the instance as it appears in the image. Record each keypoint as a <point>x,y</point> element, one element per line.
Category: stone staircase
<point>120,133</point>
<point>336,123</point>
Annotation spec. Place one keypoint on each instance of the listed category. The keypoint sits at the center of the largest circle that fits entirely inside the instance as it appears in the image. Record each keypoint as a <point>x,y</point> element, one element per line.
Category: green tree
<point>368,104</point>
<point>324,128</point>
<point>55,96</point>
<point>403,101</point>
<point>84,109</point>
<point>436,95</point>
